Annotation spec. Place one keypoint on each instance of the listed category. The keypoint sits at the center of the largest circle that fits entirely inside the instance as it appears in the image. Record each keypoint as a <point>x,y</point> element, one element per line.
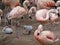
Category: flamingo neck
<point>24,5</point>
<point>47,16</point>
<point>39,30</point>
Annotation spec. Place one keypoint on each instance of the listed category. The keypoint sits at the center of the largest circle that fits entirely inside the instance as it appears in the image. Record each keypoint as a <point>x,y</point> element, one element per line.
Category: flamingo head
<point>32,12</point>
<point>33,9</point>
<point>40,28</point>
<point>27,3</point>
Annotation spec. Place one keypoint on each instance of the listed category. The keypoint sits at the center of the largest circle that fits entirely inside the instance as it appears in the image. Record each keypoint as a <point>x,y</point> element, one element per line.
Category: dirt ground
<point>10,39</point>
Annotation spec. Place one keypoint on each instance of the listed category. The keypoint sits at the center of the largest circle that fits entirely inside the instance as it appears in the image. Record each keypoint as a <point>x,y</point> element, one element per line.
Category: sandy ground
<point>10,39</point>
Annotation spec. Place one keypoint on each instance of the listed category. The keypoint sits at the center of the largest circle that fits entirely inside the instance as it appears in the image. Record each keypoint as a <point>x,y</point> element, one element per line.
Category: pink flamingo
<point>42,16</point>
<point>11,3</point>
<point>17,12</point>
<point>45,37</point>
<point>1,14</point>
<point>45,4</point>
<point>45,15</point>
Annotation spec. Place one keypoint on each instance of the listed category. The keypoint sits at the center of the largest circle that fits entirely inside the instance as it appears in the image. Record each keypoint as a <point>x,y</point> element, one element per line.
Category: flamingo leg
<point>17,32</point>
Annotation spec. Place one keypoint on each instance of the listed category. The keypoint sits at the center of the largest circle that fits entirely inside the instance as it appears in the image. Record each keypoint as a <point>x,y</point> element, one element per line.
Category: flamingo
<point>58,8</point>
<point>53,15</point>
<point>11,3</point>
<point>45,15</point>
<point>45,4</point>
<point>42,16</point>
<point>1,14</point>
<point>45,37</point>
<point>57,3</point>
<point>18,12</point>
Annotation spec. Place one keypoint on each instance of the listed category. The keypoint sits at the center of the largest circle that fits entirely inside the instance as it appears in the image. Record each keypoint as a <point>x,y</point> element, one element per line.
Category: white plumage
<point>7,30</point>
<point>28,27</point>
<point>58,3</point>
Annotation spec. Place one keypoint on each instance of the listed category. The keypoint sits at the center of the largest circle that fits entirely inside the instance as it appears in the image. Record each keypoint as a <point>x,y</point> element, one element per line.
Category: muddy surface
<point>11,39</point>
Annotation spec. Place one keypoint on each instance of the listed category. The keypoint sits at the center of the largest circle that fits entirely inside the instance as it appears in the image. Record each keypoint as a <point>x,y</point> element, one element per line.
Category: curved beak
<point>56,40</point>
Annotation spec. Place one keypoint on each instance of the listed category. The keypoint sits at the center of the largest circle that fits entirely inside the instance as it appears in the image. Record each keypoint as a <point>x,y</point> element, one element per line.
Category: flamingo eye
<point>38,34</point>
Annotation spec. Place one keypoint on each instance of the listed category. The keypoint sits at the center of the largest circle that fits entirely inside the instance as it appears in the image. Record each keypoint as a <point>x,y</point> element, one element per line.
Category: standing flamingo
<point>58,8</point>
<point>45,37</point>
<point>18,12</point>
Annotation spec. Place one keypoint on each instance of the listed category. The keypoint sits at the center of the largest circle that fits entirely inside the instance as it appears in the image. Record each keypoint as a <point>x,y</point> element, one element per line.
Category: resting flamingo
<point>45,4</point>
<point>45,15</point>
<point>45,37</point>
<point>42,16</point>
<point>53,15</point>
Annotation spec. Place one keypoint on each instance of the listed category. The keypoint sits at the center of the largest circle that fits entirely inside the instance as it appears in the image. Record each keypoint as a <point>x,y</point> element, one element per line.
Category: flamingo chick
<point>45,37</point>
<point>7,30</point>
<point>28,28</point>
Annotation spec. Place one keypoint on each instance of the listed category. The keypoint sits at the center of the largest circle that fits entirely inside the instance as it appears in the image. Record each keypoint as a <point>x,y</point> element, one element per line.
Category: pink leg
<point>17,32</point>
